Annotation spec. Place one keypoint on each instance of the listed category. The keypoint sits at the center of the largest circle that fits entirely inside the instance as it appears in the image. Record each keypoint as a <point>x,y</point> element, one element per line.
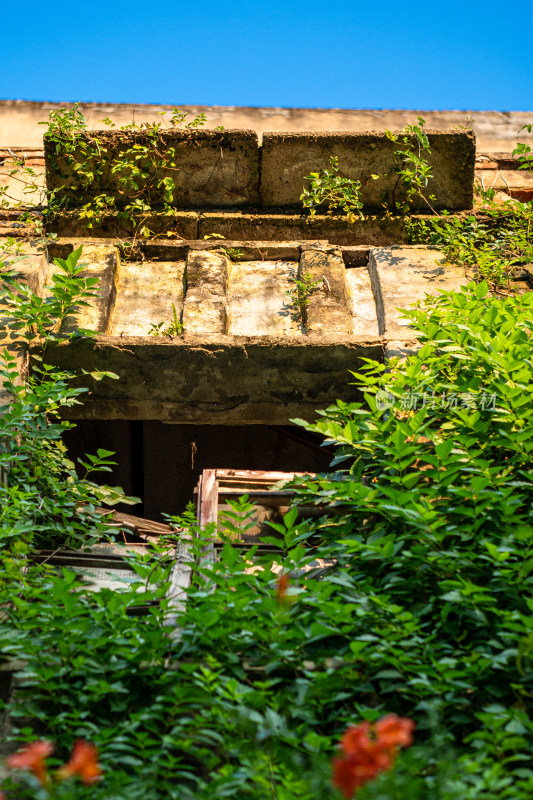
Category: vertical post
<point>208,508</point>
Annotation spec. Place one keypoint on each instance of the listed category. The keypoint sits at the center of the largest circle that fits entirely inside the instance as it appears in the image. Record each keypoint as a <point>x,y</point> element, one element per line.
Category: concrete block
<point>362,303</point>
<point>328,311</point>
<point>205,304</point>
<point>287,158</point>
<point>102,262</point>
<point>402,276</point>
<point>212,169</point>
<point>258,304</point>
<point>145,294</point>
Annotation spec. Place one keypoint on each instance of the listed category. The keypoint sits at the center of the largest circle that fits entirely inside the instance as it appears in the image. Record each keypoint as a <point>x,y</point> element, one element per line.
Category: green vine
<point>411,164</point>
<point>136,174</point>
<point>43,500</point>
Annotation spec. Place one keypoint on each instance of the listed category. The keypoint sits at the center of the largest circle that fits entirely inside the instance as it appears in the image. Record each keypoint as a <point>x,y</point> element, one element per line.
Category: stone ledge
<point>215,379</point>
<point>235,225</point>
<point>228,169</point>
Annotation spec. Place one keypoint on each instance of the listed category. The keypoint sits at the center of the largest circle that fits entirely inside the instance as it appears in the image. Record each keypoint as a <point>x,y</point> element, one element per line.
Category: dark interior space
<point>161,462</point>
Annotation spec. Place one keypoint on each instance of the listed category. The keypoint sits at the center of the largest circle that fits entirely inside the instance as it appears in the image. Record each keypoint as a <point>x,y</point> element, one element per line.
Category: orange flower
<point>282,584</point>
<point>393,731</point>
<point>83,762</point>
<point>368,750</point>
<point>32,757</point>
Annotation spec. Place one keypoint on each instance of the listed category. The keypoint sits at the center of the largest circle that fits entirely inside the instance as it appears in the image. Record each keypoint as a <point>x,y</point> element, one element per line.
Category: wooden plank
<point>262,491</point>
<point>102,567</point>
<point>208,497</point>
<point>208,509</point>
<point>180,580</point>
<point>257,475</point>
<point>80,558</point>
<point>264,499</point>
<point>137,526</point>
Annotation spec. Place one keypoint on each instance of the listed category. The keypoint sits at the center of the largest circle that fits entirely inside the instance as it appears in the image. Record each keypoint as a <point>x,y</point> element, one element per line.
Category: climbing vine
<point>128,171</point>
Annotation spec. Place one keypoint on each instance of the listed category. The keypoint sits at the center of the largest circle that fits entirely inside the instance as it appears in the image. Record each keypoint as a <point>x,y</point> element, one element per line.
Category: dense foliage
<point>411,592</point>
<point>43,502</point>
<point>421,605</point>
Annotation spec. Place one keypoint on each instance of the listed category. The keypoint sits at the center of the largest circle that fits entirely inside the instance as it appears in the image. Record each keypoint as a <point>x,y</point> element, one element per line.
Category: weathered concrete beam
<point>289,157</point>
<point>258,301</point>
<point>327,313</point>
<point>237,225</point>
<point>294,227</point>
<point>205,308</point>
<point>402,276</point>
<point>181,224</point>
<point>362,303</point>
<point>217,380</point>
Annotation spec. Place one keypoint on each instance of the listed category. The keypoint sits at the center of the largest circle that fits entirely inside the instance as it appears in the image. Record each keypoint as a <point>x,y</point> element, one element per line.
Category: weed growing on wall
<point>411,165</point>
<point>142,172</point>
<point>494,245</point>
<point>174,328</point>
<point>302,289</point>
<point>233,253</point>
<point>523,152</point>
<point>328,188</point>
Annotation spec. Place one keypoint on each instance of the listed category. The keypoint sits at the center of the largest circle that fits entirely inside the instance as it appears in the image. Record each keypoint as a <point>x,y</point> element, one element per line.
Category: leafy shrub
<point>421,604</point>
<point>43,502</point>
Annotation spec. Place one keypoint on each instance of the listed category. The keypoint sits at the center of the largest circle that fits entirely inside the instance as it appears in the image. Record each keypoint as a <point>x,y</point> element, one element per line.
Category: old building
<point>204,319</point>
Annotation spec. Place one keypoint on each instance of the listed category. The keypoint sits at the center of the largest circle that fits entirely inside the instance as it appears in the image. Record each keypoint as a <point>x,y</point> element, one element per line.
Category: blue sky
<point>439,54</point>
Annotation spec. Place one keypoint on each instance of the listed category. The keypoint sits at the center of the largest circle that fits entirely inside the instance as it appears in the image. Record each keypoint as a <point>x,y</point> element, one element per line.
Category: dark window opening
<point>161,463</point>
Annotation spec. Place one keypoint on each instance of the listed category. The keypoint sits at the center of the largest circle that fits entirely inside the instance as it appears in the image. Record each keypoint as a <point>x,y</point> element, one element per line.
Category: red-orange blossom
<point>368,749</point>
